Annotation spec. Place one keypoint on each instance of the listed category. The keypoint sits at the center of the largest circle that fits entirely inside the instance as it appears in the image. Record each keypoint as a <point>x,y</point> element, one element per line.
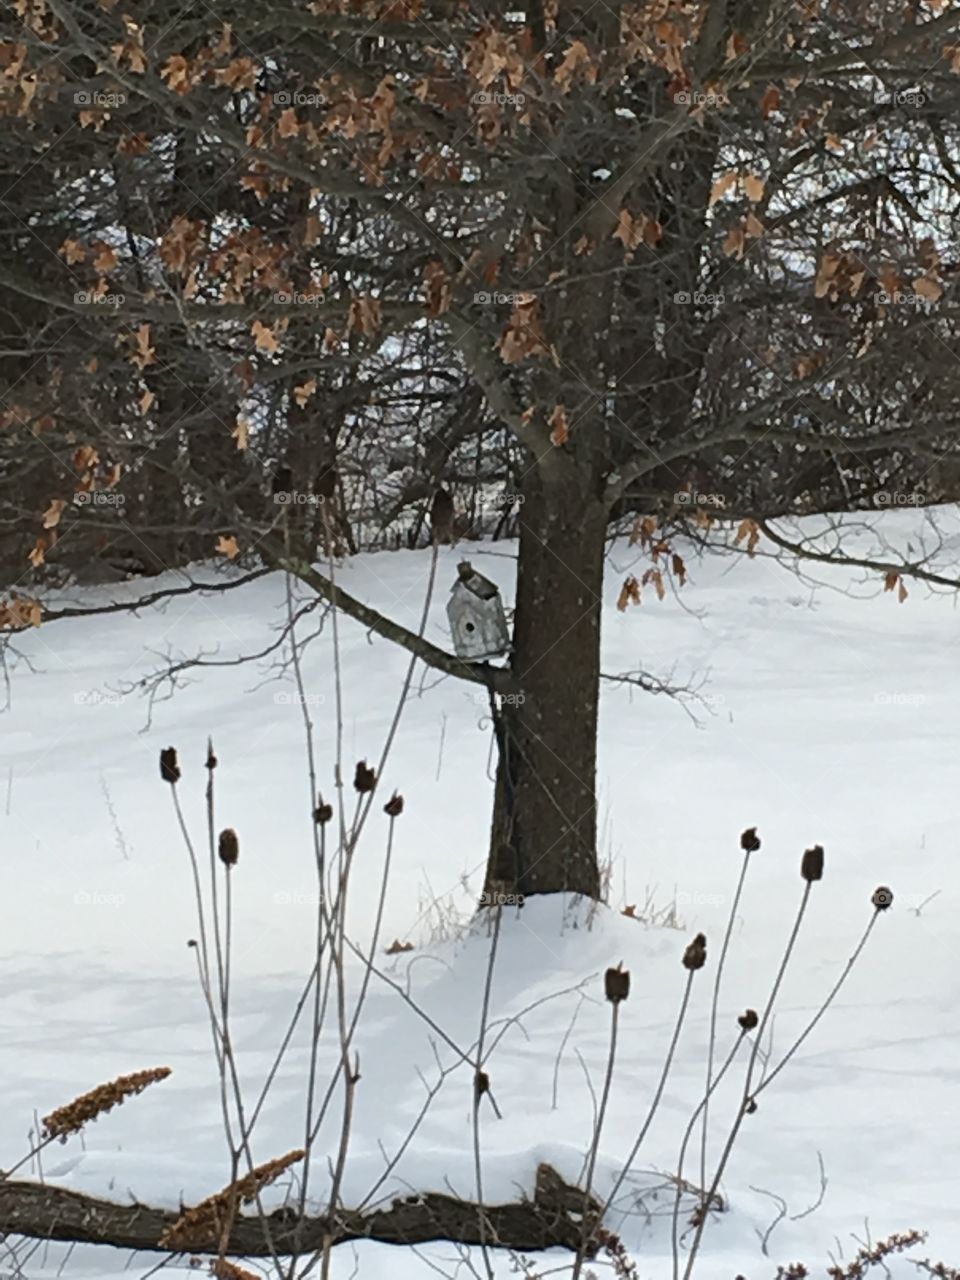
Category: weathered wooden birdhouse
<point>476,616</point>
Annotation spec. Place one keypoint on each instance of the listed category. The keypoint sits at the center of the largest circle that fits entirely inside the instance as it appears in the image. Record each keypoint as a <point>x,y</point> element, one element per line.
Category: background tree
<point>621,263</point>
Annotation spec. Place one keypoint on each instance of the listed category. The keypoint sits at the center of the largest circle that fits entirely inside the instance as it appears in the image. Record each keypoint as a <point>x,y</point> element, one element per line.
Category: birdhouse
<point>476,616</point>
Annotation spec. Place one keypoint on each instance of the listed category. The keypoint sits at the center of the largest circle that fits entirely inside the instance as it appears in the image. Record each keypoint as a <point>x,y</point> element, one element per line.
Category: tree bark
<point>544,831</point>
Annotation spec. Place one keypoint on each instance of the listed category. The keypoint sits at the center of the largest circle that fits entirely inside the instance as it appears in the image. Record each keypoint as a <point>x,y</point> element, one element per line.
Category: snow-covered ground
<point>832,717</point>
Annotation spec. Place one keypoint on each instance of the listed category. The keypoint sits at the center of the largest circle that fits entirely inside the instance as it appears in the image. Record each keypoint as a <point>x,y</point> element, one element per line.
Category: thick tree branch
<point>908,38</point>
<point>601,221</point>
<point>488,371</point>
<point>133,308</point>
<point>904,567</point>
<point>141,602</point>
<point>498,678</point>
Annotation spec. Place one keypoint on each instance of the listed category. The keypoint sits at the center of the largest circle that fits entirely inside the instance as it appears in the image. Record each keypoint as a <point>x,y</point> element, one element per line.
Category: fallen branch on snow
<point>554,1217</point>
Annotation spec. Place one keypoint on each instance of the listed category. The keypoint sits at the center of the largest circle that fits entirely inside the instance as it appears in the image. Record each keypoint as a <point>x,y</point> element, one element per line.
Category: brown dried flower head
<point>323,812</point>
<point>748,1020</point>
<point>749,840</point>
<point>616,984</point>
<point>695,956</point>
<point>481,1083</point>
<point>870,1255</point>
<point>882,897</point>
<point>228,847</point>
<point>72,1117</point>
<point>201,1226</point>
<point>811,866</point>
<point>224,1269</point>
<point>169,766</point>
<point>365,778</point>
<point>394,806</point>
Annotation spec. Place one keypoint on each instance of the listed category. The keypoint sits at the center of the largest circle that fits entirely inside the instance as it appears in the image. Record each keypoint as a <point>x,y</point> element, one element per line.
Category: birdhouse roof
<point>475,582</point>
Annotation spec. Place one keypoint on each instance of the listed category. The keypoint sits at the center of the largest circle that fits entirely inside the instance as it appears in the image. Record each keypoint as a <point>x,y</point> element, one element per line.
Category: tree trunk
<point>544,830</point>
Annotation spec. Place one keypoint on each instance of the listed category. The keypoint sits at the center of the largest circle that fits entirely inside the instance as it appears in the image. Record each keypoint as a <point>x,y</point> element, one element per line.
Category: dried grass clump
<point>72,1117</point>
<point>206,1221</point>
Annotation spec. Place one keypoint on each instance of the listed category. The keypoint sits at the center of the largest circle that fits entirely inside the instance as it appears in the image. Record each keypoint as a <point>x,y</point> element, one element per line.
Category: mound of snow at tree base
<point>831,718</point>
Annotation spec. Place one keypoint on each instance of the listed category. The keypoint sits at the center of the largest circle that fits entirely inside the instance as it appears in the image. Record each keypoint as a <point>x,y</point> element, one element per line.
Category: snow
<point>831,716</point>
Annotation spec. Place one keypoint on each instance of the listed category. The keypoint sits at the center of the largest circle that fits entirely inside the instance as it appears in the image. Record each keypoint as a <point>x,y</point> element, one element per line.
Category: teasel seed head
<point>695,956</point>
<point>811,866</point>
<point>616,984</point>
<point>882,897</point>
<point>169,766</point>
<point>365,778</point>
<point>228,847</point>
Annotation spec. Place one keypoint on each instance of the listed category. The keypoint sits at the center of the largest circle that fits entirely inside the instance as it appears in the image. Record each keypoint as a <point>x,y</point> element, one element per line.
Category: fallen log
<point>558,1215</point>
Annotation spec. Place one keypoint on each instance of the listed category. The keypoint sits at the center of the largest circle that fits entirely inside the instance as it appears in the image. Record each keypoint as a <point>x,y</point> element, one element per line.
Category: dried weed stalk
<point>208,1220</point>
<point>72,1117</point>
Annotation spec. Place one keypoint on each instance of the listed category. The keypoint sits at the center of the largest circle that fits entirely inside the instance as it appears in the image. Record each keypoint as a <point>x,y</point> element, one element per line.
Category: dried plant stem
<point>365,802</point>
<point>559,1057</point>
<point>350,1087</point>
<point>748,1081</point>
<point>338,709</point>
<point>284,1043</point>
<point>768,1079</point>
<point>198,892</point>
<point>31,1154</point>
<point>433,1090</point>
<point>394,1160</point>
<point>323,924</point>
<point>597,1130</point>
<point>227,942</point>
<point>684,1004</point>
<point>367,973</point>
<point>480,1084</point>
<point>683,1151</point>
<point>226,1064</point>
<point>195,1225</point>
<point>421,1013</point>
<point>349,1080</point>
<point>218,1023</point>
<point>714,1004</point>
<point>223,1054</point>
<point>339,901</point>
<point>349,839</point>
<point>214,901</point>
<point>223,1048</point>
<point>319,1009</point>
